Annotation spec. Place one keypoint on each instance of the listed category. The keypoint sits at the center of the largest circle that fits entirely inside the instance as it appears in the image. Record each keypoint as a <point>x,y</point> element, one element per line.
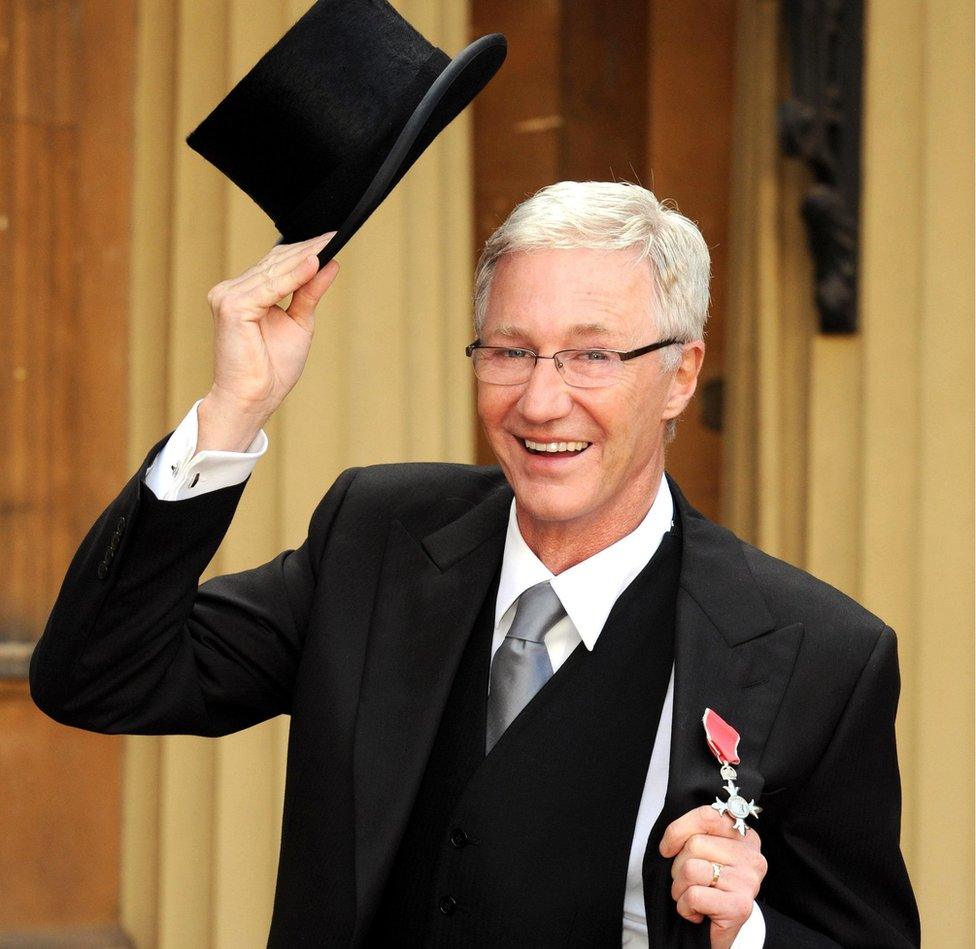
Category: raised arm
<point>132,645</point>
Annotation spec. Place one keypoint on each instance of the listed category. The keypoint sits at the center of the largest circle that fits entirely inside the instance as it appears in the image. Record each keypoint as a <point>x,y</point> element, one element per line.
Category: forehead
<point>571,291</point>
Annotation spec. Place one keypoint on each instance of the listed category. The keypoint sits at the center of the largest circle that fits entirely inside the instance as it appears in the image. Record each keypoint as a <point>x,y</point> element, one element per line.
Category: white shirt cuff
<point>177,474</point>
<point>753,932</point>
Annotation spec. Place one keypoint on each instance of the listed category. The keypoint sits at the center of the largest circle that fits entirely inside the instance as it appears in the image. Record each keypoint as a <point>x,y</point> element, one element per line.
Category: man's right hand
<point>260,349</point>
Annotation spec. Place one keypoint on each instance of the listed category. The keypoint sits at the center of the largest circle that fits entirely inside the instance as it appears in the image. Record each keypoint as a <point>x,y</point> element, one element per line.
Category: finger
<point>295,251</point>
<point>728,911</point>
<point>696,872</point>
<point>307,296</point>
<point>743,878</point>
<point>690,866</point>
<point>279,260</point>
<point>699,901</point>
<point>285,262</point>
<point>702,820</point>
<point>718,849</point>
<point>326,236</point>
<point>300,247</point>
<point>723,850</point>
<point>266,289</point>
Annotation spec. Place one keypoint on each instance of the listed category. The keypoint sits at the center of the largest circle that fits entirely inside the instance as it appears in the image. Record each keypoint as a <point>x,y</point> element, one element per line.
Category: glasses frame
<point>624,355</point>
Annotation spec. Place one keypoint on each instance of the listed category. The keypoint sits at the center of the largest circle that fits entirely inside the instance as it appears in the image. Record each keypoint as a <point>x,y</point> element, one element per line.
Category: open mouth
<point>555,449</point>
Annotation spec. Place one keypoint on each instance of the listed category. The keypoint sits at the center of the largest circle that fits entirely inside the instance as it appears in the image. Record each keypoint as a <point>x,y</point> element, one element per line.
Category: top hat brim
<point>461,80</point>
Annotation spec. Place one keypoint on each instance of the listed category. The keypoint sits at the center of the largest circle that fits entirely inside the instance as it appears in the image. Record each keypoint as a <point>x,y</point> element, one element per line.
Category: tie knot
<point>537,612</point>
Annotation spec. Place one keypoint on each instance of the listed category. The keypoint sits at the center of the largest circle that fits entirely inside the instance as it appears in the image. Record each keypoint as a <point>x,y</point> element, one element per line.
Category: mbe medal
<point>723,741</point>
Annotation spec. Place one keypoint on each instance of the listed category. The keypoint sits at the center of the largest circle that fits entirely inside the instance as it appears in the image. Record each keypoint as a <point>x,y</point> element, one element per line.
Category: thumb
<point>720,937</point>
<point>306,297</point>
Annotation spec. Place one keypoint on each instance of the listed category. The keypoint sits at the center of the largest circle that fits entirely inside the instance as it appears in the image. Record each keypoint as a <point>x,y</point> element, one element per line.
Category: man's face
<point>550,300</point>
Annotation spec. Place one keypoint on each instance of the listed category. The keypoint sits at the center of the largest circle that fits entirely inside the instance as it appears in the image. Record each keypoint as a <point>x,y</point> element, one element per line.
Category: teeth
<point>555,446</point>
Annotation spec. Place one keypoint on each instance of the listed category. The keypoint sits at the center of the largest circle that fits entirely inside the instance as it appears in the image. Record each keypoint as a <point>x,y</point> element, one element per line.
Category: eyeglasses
<point>582,368</point>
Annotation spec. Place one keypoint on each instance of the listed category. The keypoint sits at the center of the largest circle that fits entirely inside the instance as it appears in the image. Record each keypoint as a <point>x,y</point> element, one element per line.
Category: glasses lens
<point>589,368</point>
<point>505,367</point>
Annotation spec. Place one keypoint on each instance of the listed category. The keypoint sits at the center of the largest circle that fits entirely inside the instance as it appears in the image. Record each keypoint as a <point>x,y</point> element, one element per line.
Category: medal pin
<point>723,742</point>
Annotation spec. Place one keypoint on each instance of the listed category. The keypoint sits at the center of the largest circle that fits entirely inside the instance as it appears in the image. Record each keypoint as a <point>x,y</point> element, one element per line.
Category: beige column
<point>869,483</point>
<point>770,330</point>
<point>917,483</point>
<point>386,381</point>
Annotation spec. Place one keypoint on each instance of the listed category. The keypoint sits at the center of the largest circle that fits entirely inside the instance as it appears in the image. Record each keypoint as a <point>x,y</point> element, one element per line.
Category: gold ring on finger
<point>717,869</point>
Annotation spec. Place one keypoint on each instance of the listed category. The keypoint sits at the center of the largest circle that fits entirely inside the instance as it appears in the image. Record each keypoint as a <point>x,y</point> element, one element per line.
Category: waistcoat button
<point>448,905</point>
<point>459,838</point>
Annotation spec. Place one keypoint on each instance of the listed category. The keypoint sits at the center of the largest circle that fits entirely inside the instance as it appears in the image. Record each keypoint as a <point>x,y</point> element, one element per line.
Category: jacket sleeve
<point>133,645</point>
<point>836,874</point>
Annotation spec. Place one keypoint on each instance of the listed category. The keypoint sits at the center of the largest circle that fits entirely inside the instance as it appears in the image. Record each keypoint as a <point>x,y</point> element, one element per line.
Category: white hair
<point>606,215</point>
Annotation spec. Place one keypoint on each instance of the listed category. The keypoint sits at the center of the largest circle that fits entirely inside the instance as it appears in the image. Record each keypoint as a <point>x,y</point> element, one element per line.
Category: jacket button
<point>459,838</point>
<point>448,905</point>
<point>102,570</point>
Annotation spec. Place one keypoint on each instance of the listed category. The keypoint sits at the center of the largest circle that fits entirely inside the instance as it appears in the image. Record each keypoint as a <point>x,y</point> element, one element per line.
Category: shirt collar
<point>589,589</point>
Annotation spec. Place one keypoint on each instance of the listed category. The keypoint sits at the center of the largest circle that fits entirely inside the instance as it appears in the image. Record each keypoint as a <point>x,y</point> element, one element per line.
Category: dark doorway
<point>637,90</point>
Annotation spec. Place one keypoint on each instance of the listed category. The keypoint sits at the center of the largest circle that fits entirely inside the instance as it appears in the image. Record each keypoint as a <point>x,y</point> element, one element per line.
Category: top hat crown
<point>330,119</point>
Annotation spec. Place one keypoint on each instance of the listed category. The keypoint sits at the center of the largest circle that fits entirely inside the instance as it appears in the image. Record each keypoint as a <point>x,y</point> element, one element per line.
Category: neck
<point>563,544</point>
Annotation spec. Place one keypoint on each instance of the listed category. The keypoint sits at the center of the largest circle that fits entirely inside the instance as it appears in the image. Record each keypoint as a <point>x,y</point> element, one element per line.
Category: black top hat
<point>334,114</point>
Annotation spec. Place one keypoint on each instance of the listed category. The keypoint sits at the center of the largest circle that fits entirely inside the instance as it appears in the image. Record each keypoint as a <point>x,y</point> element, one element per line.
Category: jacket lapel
<point>729,656</point>
<point>433,588</point>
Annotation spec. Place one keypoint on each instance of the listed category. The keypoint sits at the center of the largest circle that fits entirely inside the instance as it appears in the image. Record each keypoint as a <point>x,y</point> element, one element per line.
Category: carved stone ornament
<point>821,124</point>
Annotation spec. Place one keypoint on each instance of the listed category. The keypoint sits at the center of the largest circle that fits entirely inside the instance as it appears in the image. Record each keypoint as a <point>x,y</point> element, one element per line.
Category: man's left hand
<point>698,840</point>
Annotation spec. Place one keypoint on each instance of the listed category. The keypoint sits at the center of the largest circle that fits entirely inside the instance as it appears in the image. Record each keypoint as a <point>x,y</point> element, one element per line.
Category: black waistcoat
<point>529,846</point>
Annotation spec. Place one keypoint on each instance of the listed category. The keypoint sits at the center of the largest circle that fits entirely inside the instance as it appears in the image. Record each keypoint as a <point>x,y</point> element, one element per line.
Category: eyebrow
<point>509,331</point>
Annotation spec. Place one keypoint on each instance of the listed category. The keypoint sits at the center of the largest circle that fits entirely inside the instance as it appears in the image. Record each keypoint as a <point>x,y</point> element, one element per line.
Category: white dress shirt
<point>179,471</point>
<point>587,592</point>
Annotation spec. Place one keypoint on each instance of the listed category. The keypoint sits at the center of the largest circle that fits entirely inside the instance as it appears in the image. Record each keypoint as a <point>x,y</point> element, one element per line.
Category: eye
<point>516,354</point>
<point>593,355</point>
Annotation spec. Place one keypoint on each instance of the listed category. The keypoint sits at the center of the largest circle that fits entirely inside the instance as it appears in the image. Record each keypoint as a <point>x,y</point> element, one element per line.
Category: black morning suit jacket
<point>358,632</point>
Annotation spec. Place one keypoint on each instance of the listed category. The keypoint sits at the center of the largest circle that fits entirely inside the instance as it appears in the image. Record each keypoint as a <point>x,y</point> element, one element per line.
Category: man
<point>497,679</point>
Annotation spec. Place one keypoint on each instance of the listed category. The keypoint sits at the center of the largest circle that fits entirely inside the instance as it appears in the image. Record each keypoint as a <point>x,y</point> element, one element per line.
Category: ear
<point>685,379</point>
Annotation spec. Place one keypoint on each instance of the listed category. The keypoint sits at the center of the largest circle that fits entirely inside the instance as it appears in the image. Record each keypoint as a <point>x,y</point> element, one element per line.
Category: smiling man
<point>580,437</point>
<point>497,677</point>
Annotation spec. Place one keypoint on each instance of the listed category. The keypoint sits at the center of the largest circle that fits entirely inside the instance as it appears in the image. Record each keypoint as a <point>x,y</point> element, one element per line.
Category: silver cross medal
<point>723,742</point>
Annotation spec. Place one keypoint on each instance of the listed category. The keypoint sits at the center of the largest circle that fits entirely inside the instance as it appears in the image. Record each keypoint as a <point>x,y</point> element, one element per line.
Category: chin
<point>548,504</point>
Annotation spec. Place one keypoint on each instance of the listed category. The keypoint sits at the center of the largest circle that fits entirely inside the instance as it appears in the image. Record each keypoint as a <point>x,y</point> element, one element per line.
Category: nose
<point>546,396</point>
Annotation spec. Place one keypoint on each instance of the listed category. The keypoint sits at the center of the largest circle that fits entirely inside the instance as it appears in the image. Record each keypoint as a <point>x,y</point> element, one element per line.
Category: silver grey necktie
<point>521,664</point>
